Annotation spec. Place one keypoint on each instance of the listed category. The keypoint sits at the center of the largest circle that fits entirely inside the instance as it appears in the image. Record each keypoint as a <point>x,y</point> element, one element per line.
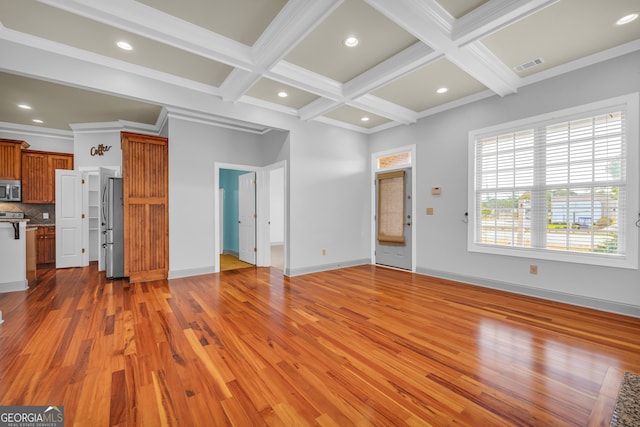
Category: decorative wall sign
<point>100,150</point>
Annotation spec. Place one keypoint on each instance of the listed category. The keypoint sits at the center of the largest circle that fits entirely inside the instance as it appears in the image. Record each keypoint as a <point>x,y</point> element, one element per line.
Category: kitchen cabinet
<point>39,174</point>
<point>10,158</point>
<point>46,244</point>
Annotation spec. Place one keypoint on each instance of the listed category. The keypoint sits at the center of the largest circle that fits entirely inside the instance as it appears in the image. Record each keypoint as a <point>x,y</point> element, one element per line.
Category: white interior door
<point>247,217</point>
<point>71,221</point>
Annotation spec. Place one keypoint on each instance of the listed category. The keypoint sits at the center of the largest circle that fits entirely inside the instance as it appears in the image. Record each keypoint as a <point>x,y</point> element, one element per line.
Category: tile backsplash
<point>32,212</point>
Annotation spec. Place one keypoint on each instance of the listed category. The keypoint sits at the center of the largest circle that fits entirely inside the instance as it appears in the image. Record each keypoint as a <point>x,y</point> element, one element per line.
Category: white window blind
<point>557,185</point>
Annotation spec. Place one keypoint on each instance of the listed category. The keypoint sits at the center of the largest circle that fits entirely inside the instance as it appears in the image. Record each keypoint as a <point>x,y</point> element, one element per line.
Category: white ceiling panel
<point>241,20</point>
<point>563,32</point>
<point>323,51</point>
<point>418,91</point>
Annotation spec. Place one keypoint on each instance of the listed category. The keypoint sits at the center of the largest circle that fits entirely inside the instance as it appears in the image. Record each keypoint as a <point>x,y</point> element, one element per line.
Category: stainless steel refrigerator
<point>113,219</point>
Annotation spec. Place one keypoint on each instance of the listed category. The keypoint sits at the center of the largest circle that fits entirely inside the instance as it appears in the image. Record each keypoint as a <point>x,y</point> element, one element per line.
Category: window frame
<point>627,103</point>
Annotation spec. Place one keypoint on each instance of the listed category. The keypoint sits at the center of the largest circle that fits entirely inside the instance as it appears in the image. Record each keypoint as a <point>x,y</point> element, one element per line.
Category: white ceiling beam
<point>318,108</point>
<point>303,79</point>
<point>433,25</point>
<point>492,16</point>
<point>383,108</point>
<point>425,19</point>
<point>406,61</point>
<point>403,63</point>
<point>161,27</point>
<point>479,62</point>
<point>294,22</point>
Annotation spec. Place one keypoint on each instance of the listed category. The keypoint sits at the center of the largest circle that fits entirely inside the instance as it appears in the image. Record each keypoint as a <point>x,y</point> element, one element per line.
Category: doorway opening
<point>237,219</point>
<point>393,208</point>
<point>263,242</point>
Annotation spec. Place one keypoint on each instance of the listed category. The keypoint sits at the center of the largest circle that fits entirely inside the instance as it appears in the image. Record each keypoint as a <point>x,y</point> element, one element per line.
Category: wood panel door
<point>146,206</point>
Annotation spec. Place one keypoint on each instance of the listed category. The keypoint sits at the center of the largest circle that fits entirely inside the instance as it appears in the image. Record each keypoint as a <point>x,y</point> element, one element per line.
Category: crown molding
<point>214,120</point>
<point>27,130</point>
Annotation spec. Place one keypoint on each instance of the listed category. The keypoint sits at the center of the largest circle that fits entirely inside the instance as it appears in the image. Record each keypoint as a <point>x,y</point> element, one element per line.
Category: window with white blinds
<point>559,186</point>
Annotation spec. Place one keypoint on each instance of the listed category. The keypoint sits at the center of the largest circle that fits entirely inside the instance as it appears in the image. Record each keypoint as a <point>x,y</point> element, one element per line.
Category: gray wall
<point>442,142</point>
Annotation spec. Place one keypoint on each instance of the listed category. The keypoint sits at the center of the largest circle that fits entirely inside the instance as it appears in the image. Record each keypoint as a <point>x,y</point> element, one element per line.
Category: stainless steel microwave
<point>10,191</point>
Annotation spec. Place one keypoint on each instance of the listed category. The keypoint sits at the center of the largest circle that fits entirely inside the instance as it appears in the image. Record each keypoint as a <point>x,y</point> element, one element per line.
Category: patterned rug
<point>627,412</point>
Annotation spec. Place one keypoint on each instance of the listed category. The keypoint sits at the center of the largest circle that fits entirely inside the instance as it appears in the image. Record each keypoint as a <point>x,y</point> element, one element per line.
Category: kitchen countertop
<point>14,220</point>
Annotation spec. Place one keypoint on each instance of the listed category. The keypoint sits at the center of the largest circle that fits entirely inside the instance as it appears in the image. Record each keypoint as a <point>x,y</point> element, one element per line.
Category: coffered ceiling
<point>253,51</point>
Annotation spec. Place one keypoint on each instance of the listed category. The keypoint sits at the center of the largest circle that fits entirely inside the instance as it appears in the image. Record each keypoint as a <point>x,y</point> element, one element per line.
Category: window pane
<point>572,172</point>
<point>395,160</point>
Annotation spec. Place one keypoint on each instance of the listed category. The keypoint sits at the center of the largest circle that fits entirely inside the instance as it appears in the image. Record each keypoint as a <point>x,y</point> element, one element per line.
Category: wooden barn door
<point>146,206</point>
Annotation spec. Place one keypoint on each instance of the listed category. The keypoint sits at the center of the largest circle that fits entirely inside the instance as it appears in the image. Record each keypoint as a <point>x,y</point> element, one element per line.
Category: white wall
<point>84,142</point>
<point>329,198</point>
<point>42,141</point>
<point>193,150</point>
<point>276,206</point>
<point>442,161</point>
<point>327,205</point>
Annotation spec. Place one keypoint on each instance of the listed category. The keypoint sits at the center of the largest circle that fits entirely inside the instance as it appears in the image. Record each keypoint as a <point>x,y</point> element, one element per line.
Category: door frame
<point>414,223</point>
<point>263,242</point>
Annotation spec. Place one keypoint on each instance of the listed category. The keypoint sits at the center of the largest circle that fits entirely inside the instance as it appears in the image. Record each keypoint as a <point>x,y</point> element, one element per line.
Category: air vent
<point>527,65</point>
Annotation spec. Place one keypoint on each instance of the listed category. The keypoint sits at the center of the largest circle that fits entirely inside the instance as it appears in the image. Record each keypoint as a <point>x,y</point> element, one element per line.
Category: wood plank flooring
<point>358,346</point>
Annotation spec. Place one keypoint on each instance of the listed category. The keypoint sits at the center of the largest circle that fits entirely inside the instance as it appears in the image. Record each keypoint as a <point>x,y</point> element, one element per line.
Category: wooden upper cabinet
<point>145,182</point>
<point>10,159</point>
<point>39,175</point>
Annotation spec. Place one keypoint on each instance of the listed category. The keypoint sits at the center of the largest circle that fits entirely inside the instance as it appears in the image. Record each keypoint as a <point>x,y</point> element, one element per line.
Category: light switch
<point>429,211</point>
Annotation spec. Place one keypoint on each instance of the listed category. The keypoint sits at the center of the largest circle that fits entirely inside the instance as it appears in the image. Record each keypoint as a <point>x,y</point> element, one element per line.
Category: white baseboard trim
<point>291,272</point>
<point>187,272</point>
<point>578,300</point>
<point>20,285</point>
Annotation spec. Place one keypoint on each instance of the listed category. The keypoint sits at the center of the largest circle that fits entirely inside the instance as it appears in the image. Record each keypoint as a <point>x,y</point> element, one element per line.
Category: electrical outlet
<point>324,251</point>
<point>45,215</point>
<point>533,269</point>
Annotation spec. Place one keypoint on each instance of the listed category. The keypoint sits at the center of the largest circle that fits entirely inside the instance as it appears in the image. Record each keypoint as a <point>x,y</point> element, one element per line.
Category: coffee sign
<point>100,150</point>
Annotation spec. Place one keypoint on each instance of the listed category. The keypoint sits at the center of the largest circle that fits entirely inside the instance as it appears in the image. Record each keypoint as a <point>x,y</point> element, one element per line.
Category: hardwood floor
<point>362,345</point>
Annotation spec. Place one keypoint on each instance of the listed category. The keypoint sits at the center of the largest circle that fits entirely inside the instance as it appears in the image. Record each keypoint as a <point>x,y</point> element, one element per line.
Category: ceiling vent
<point>527,65</point>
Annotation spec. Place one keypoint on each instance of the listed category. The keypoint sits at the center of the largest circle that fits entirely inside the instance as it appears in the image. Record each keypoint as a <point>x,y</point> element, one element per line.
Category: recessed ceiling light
<point>626,19</point>
<point>351,41</point>
<point>37,121</point>
<point>283,94</point>
<point>365,119</point>
<point>443,90</point>
<point>124,45</point>
<point>24,106</point>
